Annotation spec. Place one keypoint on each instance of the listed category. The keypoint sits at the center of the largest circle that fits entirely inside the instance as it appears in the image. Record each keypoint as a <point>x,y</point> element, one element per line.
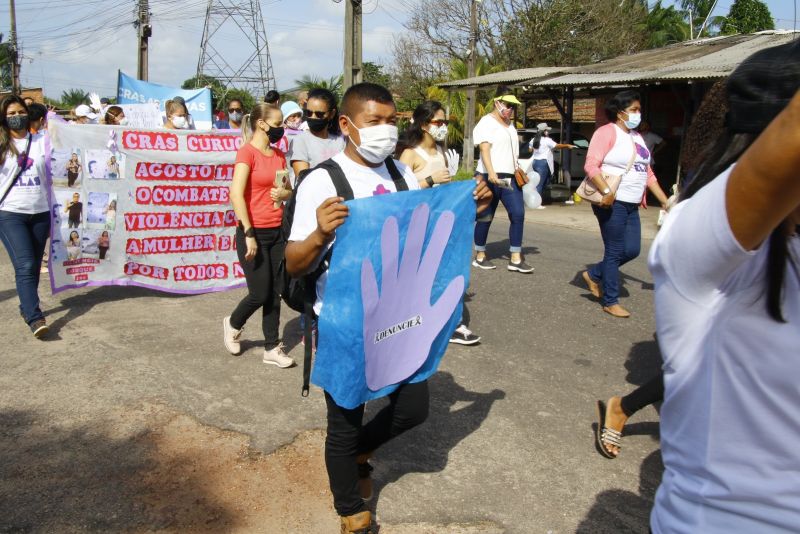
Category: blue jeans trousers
<point>541,167</point>
<point>25,238</point>
<point>512,200</point>
<point>622,239</point>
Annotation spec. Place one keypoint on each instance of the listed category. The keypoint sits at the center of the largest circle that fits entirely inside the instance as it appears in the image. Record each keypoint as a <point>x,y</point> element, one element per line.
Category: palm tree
<point>700,10</point>
<point>74,97</point>
<point>333,84</point>
<point>665,26</point>
<point>5,64</point>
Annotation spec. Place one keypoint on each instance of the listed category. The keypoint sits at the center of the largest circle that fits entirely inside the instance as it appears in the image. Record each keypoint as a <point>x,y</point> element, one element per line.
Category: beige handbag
<point>588,191</point>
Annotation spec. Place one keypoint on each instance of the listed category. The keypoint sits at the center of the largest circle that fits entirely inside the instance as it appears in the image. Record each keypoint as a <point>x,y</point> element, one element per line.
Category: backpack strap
<point>397,177</point>
<point>338,178</point>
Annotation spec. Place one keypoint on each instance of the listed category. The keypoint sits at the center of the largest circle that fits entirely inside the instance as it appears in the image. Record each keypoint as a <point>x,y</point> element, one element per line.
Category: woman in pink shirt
<point>617,149</point>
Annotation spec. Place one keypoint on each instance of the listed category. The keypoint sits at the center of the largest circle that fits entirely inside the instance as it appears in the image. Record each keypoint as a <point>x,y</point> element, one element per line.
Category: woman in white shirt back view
<point>25,209</point>
<point>726,267</point>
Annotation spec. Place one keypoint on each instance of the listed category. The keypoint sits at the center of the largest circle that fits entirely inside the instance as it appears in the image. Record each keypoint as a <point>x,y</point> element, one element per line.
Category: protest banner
<point>133,91</point>
<point>148,208</point>
<point>400,266</point>
<point>146,116</point>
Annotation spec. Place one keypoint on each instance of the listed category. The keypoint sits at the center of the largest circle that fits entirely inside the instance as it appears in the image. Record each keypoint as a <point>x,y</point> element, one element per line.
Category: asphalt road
<point>509,441</point>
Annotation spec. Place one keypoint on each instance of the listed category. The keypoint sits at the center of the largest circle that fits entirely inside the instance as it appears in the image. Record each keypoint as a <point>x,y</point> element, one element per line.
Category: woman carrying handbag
<point>24,206</point>
<point>618,174</point>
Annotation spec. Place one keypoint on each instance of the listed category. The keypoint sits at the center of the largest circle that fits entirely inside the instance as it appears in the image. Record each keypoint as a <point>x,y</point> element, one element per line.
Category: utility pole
<point>353,73</point>
<point>469,115</point>
<point>15,86</point>
<point>145,31</point>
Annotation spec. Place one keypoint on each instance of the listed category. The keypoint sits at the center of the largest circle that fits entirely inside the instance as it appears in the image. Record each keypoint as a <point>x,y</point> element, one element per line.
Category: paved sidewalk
<point>581,217</point>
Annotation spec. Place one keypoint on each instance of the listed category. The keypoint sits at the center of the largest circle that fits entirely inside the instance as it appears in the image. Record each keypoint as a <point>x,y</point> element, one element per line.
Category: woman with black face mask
<point>24,206</point>
<point>322,140</point>
<point>257,196</point>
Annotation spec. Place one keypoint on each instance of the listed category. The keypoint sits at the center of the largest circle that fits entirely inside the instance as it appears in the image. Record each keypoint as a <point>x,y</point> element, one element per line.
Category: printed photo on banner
<point>96,244</point>
<point>71,241</point>
<point>101,210</point>
<point>68,208</point>
<point>103,164</point>
<point>67,168</point>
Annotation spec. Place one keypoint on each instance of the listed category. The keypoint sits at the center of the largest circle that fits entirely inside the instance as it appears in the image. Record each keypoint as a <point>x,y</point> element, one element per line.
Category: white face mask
<point>633,120</point>
<point>178,122</point>
<point>377,142</point>
<point>439,133</point>
<point>123,121</point>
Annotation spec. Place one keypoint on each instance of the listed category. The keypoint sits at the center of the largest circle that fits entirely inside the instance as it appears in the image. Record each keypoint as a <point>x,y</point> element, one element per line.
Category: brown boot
<point>617,311</point>
<point>364,479</point>
<point>360,523</point>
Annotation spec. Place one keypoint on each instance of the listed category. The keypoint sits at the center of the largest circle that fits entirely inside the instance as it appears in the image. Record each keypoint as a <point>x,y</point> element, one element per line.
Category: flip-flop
<point>605,435</point>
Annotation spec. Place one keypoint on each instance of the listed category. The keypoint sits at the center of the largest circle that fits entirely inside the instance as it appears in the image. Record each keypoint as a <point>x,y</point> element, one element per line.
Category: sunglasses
<point>440,122</point>
<point>315,114</point>
<point>234,110</point>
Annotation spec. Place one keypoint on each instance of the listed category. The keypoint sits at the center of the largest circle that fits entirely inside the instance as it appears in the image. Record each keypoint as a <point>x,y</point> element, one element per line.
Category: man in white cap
<point>85,115</point>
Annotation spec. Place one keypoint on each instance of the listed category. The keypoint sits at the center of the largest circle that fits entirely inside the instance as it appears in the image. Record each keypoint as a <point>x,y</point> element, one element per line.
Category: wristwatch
<point>250,232</point>
<point>606,191</point>
<point>429,181</point>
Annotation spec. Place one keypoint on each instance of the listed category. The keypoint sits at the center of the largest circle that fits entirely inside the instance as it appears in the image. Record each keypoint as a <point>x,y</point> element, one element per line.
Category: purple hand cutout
<point>400,324</point>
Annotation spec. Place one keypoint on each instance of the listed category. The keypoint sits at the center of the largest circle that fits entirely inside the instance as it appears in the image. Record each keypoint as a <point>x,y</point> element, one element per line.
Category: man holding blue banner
<point>415,247</point>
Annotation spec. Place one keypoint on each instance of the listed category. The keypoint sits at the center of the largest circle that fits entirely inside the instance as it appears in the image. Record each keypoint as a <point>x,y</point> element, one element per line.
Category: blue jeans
<point>541,167</point>
<point>512,200</point>
<point>25,238</point>
<point>622,238</point>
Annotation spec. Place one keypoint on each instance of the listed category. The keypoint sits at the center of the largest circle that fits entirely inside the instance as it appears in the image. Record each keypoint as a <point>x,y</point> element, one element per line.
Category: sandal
<point>604,435</point>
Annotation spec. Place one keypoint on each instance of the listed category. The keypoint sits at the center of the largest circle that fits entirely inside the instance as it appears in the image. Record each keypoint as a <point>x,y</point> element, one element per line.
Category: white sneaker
<point>230,336</point>
<point>278,357</point>
<point>541,207</point>
<point>569,202</point>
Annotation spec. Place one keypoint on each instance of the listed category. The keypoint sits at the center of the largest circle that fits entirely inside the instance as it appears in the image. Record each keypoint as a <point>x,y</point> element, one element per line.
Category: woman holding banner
<point>24,206</point>
<point>257,195</point>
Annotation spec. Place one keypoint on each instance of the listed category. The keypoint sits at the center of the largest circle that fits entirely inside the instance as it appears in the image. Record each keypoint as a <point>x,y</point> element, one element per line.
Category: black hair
<point>619,102</point>
<point>364,92</point>
<point>36,112</point>
<point>272,96</point>
<point>503,90</point>
<point>6,141</point>
<point>329,98</point>
<point>537,139</point>
<point>423,115</point>
<point>725,152</point>
<point>239,100</point>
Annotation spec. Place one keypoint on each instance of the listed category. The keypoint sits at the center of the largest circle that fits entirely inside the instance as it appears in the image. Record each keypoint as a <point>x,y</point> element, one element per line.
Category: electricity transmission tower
<point>234,48</point>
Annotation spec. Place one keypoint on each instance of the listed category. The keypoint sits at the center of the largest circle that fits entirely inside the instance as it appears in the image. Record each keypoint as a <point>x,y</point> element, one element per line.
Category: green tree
<point>5,64</point>
<point>747,16</point>
<point>73,97</point>
<point>218,88</point>
<point>333,84</point>
<point>373,73</point>
<point>665,25</point>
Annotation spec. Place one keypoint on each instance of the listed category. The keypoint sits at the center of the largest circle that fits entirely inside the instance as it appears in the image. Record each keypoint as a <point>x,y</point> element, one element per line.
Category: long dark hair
<point>324,94</point>
<point>423,115</point>
<point>6,141</point>
<point>725,152</point>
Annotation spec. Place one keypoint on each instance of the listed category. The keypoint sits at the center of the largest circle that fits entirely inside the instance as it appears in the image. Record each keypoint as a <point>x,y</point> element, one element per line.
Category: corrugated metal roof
<point>715,57</point>
<point>710,58</point>
<point>508,77</point>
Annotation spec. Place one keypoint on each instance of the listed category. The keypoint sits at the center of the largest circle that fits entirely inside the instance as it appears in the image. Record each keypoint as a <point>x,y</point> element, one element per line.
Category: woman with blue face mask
<point>24,206</point>
<point>618,149</point>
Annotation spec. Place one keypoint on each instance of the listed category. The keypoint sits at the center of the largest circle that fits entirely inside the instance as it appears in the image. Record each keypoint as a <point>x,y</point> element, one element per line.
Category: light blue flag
<point>397,277</point>
<point>133,91</point>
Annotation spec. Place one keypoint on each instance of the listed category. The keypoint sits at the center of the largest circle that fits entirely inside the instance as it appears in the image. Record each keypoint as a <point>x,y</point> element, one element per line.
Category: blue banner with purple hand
<point>393,296</point>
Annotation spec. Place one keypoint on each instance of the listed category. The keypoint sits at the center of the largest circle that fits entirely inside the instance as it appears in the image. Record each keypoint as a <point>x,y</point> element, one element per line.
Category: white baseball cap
<point>542,126</point>
<point>85,111</point>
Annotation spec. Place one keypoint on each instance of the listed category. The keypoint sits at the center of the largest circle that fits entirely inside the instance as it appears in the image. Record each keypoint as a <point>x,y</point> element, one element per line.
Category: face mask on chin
<point>377,142</point>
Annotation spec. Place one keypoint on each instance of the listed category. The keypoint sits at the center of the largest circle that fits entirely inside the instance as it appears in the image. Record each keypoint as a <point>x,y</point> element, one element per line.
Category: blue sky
<point>82,43</point>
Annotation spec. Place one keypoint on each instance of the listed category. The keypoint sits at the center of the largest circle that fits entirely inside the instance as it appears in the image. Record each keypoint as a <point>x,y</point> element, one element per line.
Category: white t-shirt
<point>504,144</point>
<point>730,424</point>
<point>651,139</point>
<point>318,186</point>
<point>29,194</point>
<point>545,151</point>
<point>633,183</point>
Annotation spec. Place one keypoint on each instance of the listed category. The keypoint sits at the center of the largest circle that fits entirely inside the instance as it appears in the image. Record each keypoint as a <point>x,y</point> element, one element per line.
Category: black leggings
<point>262,286</point>
<point>645,395</point>
<point>348,437</point>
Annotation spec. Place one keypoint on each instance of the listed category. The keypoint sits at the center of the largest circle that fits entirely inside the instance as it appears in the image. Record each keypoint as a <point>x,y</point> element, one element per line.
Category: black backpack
<point>300,294</point>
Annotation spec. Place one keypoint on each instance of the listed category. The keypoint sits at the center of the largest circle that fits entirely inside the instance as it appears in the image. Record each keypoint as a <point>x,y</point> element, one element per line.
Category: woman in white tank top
<point>422,152</point>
